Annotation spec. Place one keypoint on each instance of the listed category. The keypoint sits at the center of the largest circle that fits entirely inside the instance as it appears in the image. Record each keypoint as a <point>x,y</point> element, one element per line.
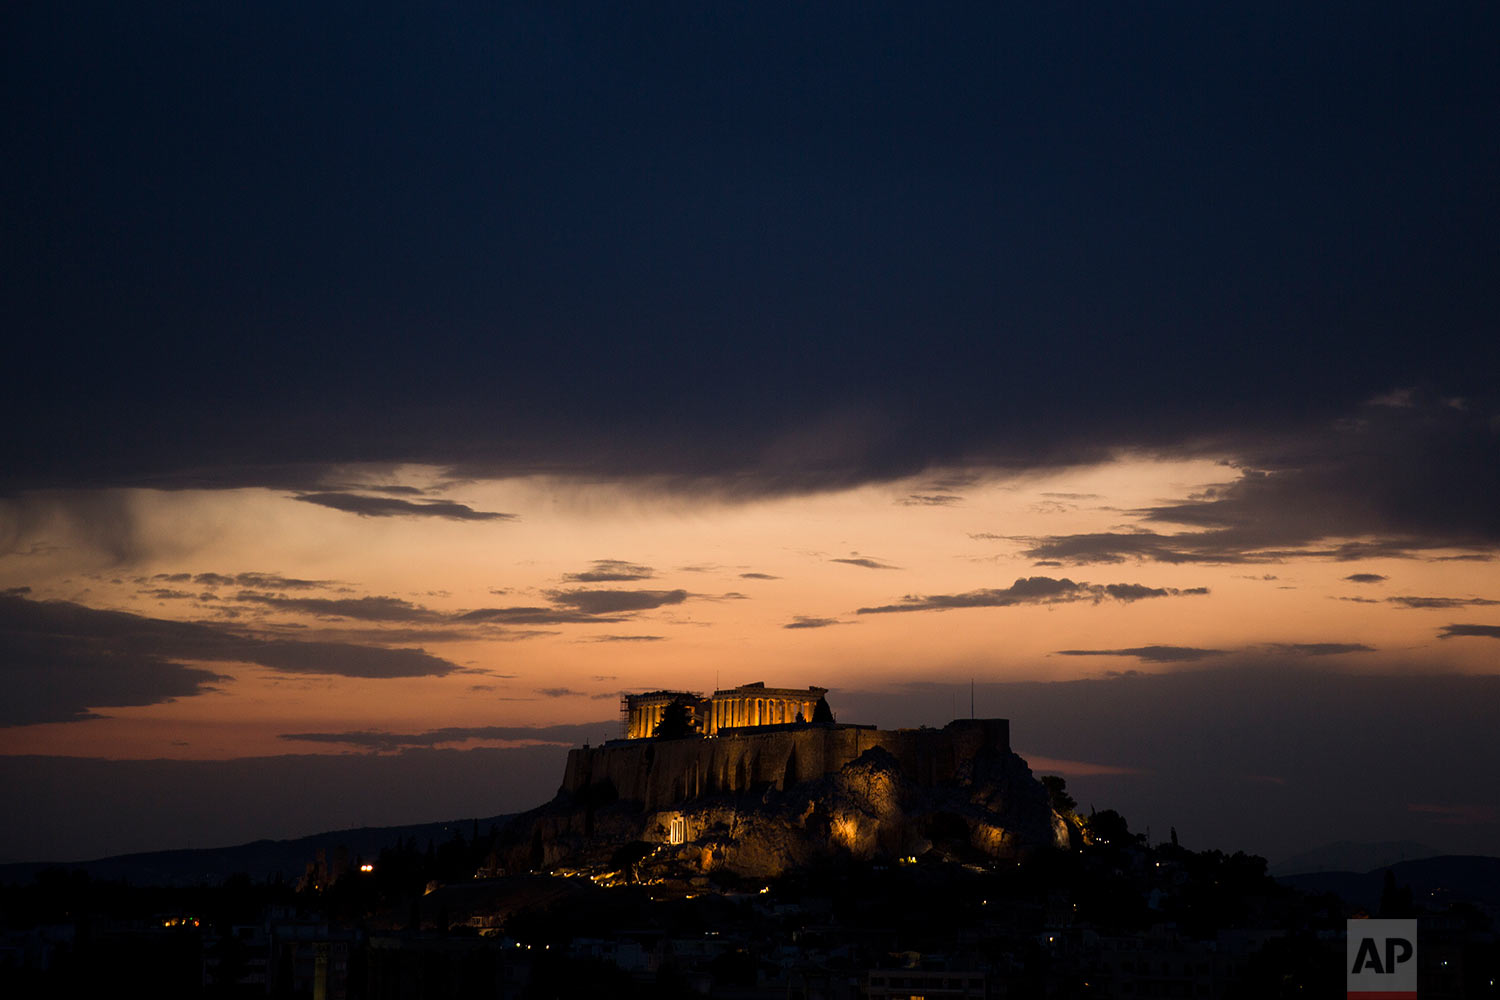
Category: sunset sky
<point>389,389</point>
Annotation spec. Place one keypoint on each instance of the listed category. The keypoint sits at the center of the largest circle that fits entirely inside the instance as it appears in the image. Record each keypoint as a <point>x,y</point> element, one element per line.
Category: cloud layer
<point>1033,590</point>
<point>368,506</point>
<point>59,661</point>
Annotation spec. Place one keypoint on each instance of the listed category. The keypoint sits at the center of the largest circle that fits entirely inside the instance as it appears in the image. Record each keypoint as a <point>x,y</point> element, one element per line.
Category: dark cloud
<point>1406,482</point>
<point>865,563</point>
<point>1481,631</point>
<point>386,741</point>
<point>1366,578</point>
<point>1151,654</point>
<point>367,506</point>
<point>387,635</point>
<point>758,576</point>
<point>167,594</point>
<point>1033,590</point>
<point>1319,648</point>
<point>1137,592</point>
<point>930,500</point>
<point>259,581</point>
<point>629,638</point>
<point>1440,603</point>
<point>559,692</point>
<point>1208,548</point>
<point>263,581</point>
<point>103,522</point>
<point>345,659</point>
<point>1187,654</point>
<point>803,621</point>
<point>878,308</point>
<point>59,660</point>
<point>608,602</point>
<point>531,616</point>
<point>607,570</point>
<point>375,609</point>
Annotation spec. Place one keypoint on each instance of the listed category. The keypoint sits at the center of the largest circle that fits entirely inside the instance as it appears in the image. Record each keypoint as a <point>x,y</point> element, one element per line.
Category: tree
<point>821,712</point>
<point>1395,901</point>
<point>1057,791</point>
<point>676,721</point>
<point>1109,828</point>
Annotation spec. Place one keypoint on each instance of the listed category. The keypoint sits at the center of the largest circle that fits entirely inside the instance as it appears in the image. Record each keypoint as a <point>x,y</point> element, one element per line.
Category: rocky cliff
<point>763,803</point>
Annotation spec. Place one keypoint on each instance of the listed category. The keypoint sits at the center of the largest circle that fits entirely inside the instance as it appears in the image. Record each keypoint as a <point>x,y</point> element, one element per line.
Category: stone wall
<point>664,773</point>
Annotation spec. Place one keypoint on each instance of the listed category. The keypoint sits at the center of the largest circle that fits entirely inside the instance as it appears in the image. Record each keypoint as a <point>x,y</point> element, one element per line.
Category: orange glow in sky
<point>770,589</point>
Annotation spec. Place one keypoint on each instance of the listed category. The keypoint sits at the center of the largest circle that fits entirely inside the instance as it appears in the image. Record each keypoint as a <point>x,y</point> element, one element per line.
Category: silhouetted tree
<point>676,721</point>
<point>1057,791</point>
<point>1396,902</point>
<point>1109,827</point>
<point>821,711</point>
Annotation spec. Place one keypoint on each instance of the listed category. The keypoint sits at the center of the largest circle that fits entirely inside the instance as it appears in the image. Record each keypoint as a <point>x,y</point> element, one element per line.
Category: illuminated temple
<point>748,705</point>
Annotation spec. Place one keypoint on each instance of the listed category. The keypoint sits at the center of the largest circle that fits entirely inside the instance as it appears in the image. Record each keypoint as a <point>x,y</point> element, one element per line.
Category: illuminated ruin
<point>746,706</point>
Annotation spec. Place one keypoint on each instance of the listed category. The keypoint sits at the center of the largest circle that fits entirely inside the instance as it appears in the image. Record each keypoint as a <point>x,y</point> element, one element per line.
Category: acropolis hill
<point>768,790</point>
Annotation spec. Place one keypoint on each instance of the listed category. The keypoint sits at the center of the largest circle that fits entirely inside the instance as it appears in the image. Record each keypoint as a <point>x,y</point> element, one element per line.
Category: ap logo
<point>1381,960</point>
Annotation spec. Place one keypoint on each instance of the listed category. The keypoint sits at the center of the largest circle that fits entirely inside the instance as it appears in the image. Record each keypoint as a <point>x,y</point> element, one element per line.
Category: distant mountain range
<point>1354,856</point>
<point>261,860</point>
<point>1434,882</point>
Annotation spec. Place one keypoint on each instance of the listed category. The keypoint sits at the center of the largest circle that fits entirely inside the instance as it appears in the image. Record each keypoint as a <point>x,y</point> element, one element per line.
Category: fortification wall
<point>664,773</point>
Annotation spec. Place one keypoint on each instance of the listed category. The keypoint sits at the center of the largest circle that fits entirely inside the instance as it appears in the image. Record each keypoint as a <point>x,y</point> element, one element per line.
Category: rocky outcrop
<point>959,791</point>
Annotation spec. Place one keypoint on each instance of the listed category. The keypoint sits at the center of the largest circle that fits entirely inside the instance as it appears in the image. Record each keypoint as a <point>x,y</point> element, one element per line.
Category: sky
<point>388,389</point>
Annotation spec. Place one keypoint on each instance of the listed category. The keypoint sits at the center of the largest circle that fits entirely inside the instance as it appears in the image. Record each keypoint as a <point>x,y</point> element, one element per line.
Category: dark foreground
<point>1116,918</point>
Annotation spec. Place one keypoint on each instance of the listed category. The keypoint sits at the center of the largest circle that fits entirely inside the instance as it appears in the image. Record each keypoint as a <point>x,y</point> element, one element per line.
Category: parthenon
<point>748,705</point>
